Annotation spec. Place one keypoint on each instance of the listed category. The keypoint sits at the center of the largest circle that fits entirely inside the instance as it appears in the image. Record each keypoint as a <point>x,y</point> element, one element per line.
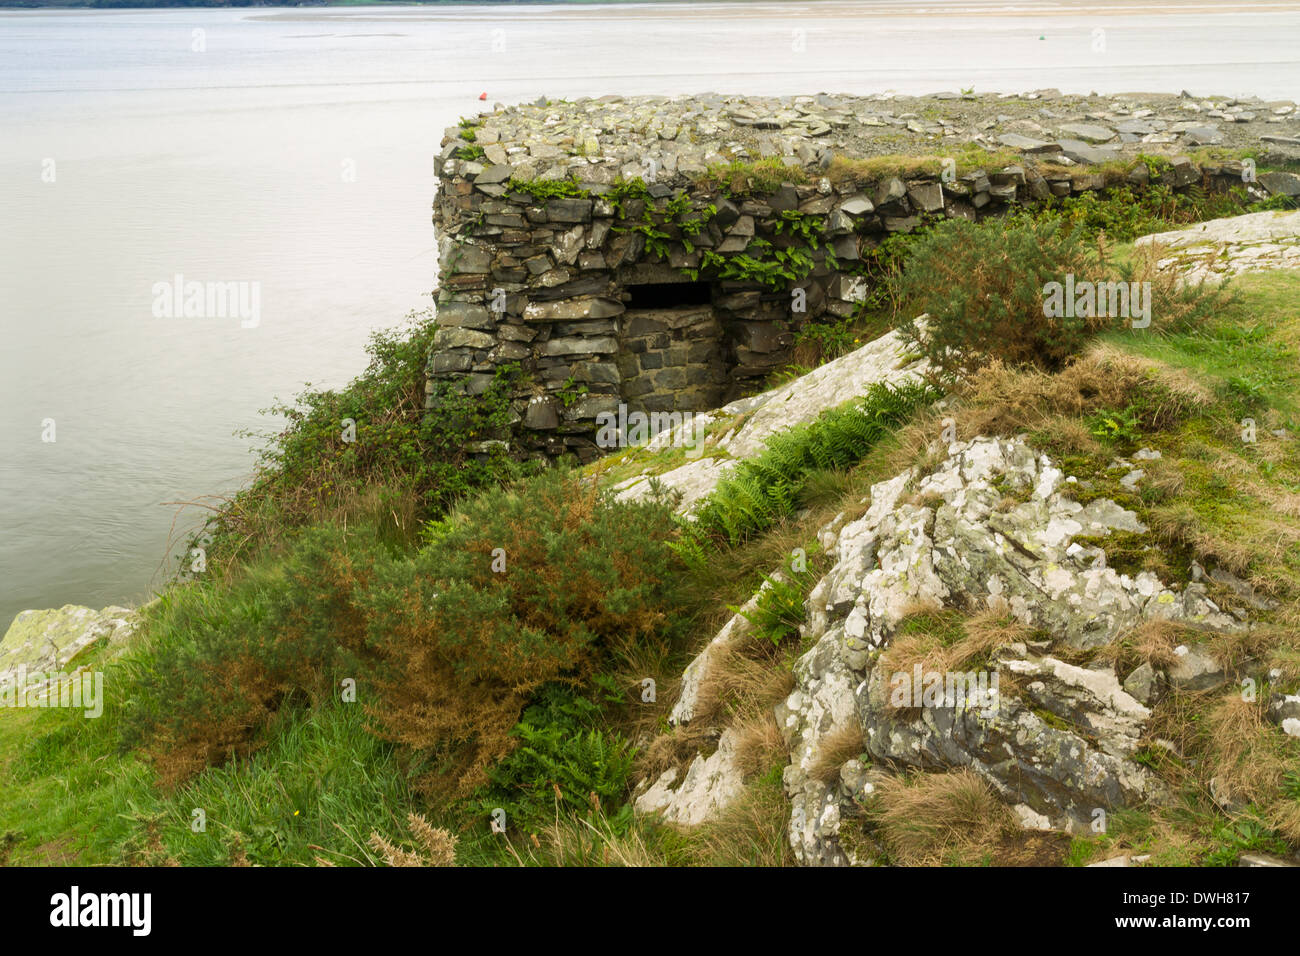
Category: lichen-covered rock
<point>46,640</point>
<point>1225,247</point>
<point>1284,710</point>
<point>711,784</point>
<point>1061,747</point>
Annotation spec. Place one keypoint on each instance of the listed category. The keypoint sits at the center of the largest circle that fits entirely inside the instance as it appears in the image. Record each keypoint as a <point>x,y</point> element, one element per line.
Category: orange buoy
<point>482,96</point>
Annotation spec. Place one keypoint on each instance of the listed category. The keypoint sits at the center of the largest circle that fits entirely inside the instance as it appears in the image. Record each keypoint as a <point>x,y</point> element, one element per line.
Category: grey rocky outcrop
<point>1061,746</point>
<point>41,644</point>
<point>1230,246</point>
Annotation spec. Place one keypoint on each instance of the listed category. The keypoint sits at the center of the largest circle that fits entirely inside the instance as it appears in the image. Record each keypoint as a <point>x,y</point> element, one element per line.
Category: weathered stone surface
<point>543,413</point>
<point>956,546</point>
<point>1088,132</point>
<point>498,173</point>
<point>1082,152</point>
<point>1280,184</point>
<point>467,258</point>
<point>468,315</point>
<point>1225,247</point>
<point>858,205</point>
<point>1194,669</point>
<point>710,785</point>
<point>579,345</point>
<point>451,338</point>
<point>565,310</point>
<point>927,197</point>
<point>1016,141</point>
<point>1284,710</point>
<point>512,258</point>
<point>569,210</point>
<point>41,641</point>
<point>1203,136</point>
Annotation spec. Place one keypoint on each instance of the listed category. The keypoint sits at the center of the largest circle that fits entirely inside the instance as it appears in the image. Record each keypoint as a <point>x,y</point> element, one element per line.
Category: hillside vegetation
<point>401,644</point>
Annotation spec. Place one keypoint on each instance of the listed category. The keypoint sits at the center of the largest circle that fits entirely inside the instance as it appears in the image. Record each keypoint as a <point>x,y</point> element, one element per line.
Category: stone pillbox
<point>663,254</point>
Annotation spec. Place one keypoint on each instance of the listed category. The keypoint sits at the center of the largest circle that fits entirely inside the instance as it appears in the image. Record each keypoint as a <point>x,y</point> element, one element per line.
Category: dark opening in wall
<point>668,295</point>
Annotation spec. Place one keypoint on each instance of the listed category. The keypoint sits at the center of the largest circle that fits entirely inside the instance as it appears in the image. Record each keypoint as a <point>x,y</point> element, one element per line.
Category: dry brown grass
<point>578,841</point>
<point>978,636</point>
<point>1005,401</point>
<point>759,744</point>
<point>1243,750</point>
<point>750,832</point>
<point>1154,641</point>
<point>941,818</point>
<point>837,748</point>
<point>986,632</point>
<point>741,681</point>
<point>740,688</point>
<point>434,846</point>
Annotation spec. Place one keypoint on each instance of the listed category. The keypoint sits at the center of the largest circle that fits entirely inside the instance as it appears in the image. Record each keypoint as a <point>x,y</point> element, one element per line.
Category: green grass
<point>321,782</point>
<point>1248,353</point>
<point>68,796</point>
<point>319,788</point>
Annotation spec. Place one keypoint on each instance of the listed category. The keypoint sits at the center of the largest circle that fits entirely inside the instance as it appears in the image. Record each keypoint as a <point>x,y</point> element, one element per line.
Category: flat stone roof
<point>678,138</point>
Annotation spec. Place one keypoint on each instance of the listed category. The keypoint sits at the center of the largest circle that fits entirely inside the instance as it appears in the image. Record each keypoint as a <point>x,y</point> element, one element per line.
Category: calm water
<point>294,150</point>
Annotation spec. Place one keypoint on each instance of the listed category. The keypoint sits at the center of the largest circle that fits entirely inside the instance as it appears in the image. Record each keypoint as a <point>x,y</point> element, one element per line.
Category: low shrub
<point>980,289</point>
<point>518,588</point>
<point>220,660</point>
<point>394,458</point>
<point>1032,292</point>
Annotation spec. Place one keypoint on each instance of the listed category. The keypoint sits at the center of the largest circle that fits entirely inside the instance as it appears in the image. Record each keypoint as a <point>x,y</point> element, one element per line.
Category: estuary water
<point>290,150</point>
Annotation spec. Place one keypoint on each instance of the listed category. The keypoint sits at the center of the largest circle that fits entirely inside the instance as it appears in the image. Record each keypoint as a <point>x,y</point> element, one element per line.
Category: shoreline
<point>720,9</point>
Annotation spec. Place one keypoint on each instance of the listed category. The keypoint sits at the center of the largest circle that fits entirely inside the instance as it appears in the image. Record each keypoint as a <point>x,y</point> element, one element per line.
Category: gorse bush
<point>764,489</point>
<point>518,588</point>
<point>221,660</point>
<point>981,290</point>
<point>972,294</point>
<point>396,459</point>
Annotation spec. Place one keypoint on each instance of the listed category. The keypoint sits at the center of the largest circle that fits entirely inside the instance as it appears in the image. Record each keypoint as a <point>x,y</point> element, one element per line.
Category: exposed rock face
<point>992,526</point>
<point>1226,247</point>
<point>45,641</point>
<point>1061,747</point>
<point>710,785</point>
